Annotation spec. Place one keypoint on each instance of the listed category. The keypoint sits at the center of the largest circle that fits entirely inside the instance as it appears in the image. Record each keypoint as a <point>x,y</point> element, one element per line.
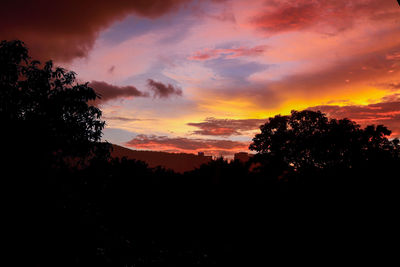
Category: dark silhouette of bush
<point>120,212</point>
<point>44,110</point>
<point>306,145</point>
<point>48,128</point>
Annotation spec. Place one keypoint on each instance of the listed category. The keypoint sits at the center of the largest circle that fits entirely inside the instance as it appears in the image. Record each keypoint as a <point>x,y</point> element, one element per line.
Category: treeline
<point>70,204</point>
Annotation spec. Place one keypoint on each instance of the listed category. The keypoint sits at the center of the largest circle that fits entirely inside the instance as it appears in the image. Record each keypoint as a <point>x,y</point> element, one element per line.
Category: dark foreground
<point>124,214</point>
<point>318,191</point>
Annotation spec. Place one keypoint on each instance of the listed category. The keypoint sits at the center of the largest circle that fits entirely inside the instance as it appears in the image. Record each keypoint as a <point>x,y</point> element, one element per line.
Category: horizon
<point>199,153</point>
<point>201,76</point>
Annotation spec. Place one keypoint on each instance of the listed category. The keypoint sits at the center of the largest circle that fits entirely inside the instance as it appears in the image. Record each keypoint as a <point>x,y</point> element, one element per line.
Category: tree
<point>44,109</point>
<point>48,122</point>
<point>308,139</point>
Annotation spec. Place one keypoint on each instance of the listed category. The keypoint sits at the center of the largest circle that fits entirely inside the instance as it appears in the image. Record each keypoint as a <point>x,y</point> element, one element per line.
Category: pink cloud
<point>286,16</point>
<point>228,53</point>
<point>393,56</point>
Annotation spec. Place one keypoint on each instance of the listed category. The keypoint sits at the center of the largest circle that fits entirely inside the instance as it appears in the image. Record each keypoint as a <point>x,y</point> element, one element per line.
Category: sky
<point>203,75</point>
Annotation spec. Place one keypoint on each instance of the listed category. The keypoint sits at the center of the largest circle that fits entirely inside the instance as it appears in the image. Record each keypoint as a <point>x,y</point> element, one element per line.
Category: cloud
<point>386,113</point>
<point>228,53</point>
<point>288,17</point>
<point>297,15</point>
<point>67,30</point>
<point>393,56</point>
<point>161,90</point>
<point>187,145</point>
<point>394,86</point>
<point>361,79</point>
<point>125,119</point>
<point>110,92</point>
<point>117,118</point>
<point>111,69</point>
<point>342,80</point>
<point>226,127</point>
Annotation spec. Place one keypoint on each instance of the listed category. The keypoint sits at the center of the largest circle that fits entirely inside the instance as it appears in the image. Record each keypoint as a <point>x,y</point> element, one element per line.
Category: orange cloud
<point>226,127</point>
<point>386,113</point>
<point>355,79</point>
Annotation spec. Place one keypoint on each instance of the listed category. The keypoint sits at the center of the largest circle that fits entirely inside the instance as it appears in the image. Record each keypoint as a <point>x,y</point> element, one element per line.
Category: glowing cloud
<point>228,53</point>
<point>386,113</point>
<point>219,59</point>
<point>226,127</point>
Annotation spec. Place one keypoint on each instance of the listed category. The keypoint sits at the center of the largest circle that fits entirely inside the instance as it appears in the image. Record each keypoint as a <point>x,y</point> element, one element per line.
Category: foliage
<point>45,105</point>
<point>120,212</point>
<point>308,139</point>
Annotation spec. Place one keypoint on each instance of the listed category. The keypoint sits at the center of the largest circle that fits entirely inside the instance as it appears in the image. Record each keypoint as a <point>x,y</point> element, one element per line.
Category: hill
<point>178,162</point>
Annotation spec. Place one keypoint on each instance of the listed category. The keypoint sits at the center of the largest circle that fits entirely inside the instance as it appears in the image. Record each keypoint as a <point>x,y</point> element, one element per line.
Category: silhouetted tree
<point>119,212</point>
<point>308,143</point>
<point>47,123</point>
<point>44,109</point>
<point>309,138</point>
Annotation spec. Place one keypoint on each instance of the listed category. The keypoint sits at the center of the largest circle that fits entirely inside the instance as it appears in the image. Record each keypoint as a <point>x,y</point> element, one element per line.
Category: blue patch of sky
<point>135,25</point>
<point>117,136</point>
<point>167,107</point>
<point>236,70</point>
<point>154,73</point>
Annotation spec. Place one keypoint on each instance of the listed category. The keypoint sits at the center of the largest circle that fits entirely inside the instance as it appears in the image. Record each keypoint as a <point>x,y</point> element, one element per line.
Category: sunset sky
<point>189,76</point>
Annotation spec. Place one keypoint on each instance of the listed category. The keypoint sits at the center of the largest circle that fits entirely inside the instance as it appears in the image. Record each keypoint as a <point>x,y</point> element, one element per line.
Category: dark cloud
<point>183,144</point>
<point>111,69</point>
<point>63,30</point>
<point>226,127</point>
<point>161,90</point>
<point>284,16</point>
<point>386,113</point>
<point>110,92</point>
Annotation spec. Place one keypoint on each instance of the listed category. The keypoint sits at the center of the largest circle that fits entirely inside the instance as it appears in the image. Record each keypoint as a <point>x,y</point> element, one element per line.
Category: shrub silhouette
<point>119,212</point>
<point>47,124</point>
<point>44,109</point>
<point>307,143</point>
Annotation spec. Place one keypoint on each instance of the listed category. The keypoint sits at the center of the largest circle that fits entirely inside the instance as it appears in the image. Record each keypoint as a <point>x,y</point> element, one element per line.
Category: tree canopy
<point>308,139</point>
<point>45,105</point>
<point>119,212</point>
